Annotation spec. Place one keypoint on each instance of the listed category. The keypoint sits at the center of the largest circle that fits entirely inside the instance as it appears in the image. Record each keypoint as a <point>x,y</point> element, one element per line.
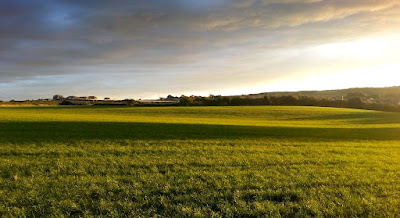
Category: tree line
<point>286,100</point>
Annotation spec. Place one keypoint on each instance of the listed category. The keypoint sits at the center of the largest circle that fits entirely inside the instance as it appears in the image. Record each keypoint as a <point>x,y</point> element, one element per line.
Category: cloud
<point>273,14</point>
<point>44,38</point>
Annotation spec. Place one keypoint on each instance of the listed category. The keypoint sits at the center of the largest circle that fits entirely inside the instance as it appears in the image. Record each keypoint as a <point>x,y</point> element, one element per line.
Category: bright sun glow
<point>362,63</point>
<point>363,48</point>
<point>388,75</point>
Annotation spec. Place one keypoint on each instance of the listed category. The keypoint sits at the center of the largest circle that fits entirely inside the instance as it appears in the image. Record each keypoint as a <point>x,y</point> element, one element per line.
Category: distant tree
<point>184,101</point>
<point>375,96</point>
<point>130,102</point>
<point>58,97</point>
<point>273,100</point>
<point>264,101</point>
<point>307,101</point>
<point>355,95</point>
<point>355,103</point>
<point>222,101</point>
<point>171,97</point>
<point>287,100</point>
<point>236,101</point>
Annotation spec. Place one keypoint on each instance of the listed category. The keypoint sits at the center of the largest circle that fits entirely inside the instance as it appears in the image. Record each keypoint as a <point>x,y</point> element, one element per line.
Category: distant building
<point>72,97</point>
<point>107,99</point>
<point>82,98</point>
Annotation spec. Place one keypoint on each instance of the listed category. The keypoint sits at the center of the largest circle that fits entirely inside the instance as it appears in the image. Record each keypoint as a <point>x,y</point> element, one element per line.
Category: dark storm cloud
<point>68,37</point>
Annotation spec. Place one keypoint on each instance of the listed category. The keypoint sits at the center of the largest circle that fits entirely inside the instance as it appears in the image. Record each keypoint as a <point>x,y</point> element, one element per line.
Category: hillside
<point>384,95</point>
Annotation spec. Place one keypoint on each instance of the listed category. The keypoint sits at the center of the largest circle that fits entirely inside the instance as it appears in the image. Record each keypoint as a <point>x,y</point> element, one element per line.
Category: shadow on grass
<point>356,118</point>
<point>31,132</point>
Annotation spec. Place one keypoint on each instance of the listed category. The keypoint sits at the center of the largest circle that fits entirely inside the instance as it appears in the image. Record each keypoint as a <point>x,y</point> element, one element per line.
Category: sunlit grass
<point>199,161</point>
<point>253,116</point>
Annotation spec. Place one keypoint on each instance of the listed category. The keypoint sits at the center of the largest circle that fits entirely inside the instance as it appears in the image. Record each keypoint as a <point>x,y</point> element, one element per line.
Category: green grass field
<point>199,161</point>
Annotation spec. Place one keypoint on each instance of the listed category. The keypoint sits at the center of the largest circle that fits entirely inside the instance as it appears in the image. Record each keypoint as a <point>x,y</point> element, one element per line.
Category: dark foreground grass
<point>248,161</point>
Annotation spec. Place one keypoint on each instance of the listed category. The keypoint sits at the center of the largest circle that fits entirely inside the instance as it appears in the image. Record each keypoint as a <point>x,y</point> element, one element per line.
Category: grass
<point>198,161</point>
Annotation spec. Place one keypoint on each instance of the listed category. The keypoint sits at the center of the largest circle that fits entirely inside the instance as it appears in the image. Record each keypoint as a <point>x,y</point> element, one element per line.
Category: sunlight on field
<point>246,116</point>
<point>198,161</point>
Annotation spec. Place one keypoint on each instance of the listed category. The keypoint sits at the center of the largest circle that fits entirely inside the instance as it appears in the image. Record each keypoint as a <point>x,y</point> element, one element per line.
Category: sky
<point>152,48</point>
